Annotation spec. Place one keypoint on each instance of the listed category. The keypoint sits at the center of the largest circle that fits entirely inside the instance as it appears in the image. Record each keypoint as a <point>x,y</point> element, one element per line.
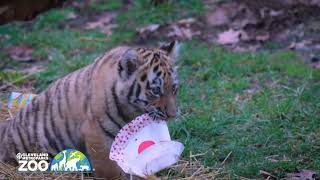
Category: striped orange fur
<point>85,109</point>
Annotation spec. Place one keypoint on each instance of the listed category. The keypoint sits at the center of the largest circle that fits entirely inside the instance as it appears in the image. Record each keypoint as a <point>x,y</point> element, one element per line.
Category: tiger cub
<point>84,110</point>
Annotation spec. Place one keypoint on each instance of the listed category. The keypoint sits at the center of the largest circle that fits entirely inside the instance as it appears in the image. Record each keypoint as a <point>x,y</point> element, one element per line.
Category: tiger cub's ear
<point>128,64</point>
<point>172,49</point>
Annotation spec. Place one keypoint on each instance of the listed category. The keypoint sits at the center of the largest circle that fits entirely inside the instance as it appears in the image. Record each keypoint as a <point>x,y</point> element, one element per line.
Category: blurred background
<point>250,72</point>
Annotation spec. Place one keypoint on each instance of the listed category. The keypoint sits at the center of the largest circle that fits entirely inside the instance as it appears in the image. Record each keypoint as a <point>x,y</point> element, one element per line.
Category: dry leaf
<point>222,15</point>
<point>267,175</point>
<point>300,45</point>
<point>148,29</point>
<point>102,21</point>
<point>229,37</point>
<point>249,48</point>
<point>72,15</point>
<point>21,53</point>
<point>187,21</point>
<point>263,37</point>
<point>33,69</point>
<point>108,29</point>
<point>303,175</point>
<point>182,32</point>
<point>277,158</point>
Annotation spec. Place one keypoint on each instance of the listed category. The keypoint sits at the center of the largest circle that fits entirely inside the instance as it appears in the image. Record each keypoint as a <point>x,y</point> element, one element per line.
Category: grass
<point>250,106</point>
<point>142,12</point>
<point>279,117</point>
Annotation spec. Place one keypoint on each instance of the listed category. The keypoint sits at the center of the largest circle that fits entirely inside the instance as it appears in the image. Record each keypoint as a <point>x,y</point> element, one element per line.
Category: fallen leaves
<point>267,175</point>
<point>146,30</point>
<point>229,37</point>
<point>72,15</point>
<point>21,53</point>
<point>222,15</point>
<point>33,69</point>
<point>103,22</point>
<point>181,32</point>
<point>277,158</point>
<point>302,175</point>
<point>181,29</point>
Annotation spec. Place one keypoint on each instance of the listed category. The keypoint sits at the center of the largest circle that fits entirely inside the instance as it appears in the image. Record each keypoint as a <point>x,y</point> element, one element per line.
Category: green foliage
<point>99,5</point>
<point>220,115</point>
<point>51,19</point>
<point>143,12</point>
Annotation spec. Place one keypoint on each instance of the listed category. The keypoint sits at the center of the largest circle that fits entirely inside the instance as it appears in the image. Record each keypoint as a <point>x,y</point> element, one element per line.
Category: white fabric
<point>144,147</point>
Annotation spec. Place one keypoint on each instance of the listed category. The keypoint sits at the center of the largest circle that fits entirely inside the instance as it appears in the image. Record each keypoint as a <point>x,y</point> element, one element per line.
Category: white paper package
<point>144,147</point>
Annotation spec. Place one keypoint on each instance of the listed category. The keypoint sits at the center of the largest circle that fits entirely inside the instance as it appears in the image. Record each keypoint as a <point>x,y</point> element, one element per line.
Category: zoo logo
<point>70,160</point>
<point>32,162</point>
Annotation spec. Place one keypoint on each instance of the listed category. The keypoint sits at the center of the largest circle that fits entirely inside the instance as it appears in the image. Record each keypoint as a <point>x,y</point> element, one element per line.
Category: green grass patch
<point>101,5</point>
<point>143,12</point>
<point>279,117</point>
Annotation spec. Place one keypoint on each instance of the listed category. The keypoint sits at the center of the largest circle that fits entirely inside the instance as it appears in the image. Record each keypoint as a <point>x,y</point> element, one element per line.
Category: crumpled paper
<point>143,147</point>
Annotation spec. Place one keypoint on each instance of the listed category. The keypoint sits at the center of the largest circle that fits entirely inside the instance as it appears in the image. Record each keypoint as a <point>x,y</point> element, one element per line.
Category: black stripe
<point>131,91</point>
<point>24,146</point>
<point>156,68</point>
<point>20,115</point>
<point>13,142</point>
<point>35,125</point>
<point>58,92</point>
<point>146,55</point>
<point>82,146</point>
<point>152,61</point>
<point>148,85</point>
<point>69,132</point>
<point>156,56</point>
<point>58,83</point>
<point>115,122</point>
<point>117,103</point>
<point>55,131</point>
<point>2,131</point>
<point>104,60</point>
<point>138,90</point>
<point>45,119</point>
<point>142,50</point>
<point>107,111</point>
<point>120,69</point>
<point>89,78</point>
<point>106,132</point>
<point>66,86</point>
<point>94,66</point>
<point>130,94</point>
<point>88,95</point>
<point>143,77</point>
<point>76,83</point>
<point>29,110</point>
<point>28,120</point>
<point>67,121</point>
<point>29,128</point>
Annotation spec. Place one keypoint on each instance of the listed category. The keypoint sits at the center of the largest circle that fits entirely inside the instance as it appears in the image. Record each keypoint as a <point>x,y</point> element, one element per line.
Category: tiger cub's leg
<point>98,147</point>
<point>6,154</point>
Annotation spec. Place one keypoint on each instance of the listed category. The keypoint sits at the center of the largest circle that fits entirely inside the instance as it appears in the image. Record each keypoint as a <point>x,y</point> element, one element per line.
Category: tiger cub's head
<point>153,80</point>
